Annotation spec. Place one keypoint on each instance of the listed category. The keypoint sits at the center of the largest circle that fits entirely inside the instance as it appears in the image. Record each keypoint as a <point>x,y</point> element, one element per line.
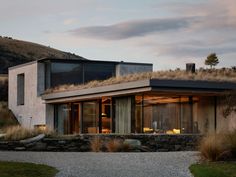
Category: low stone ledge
<point>81,143</point>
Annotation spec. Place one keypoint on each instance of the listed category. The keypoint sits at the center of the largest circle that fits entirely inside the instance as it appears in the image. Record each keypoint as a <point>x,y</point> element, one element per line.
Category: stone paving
<point>89,164</point>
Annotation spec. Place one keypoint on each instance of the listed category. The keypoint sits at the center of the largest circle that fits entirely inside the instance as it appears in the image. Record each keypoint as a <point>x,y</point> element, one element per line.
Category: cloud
<point>69,21</point>
<point>131,29</point>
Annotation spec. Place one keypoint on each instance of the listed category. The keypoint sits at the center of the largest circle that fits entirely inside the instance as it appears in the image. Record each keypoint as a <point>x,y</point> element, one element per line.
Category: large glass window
<point>67,118</point>
<point>98,71</point>
<point>20,89</point>
<point>59,73</point>
<point>90,117</point>
<point>66,73</point>
<point>138,113</point>
<point>63,119</point>
<point>161,114</point>
<point>106,115</point>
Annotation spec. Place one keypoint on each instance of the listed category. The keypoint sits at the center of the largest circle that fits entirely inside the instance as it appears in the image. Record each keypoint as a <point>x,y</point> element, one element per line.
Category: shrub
<point>114,145</point>
<point>19,133</point>
<point>96,144</point>
<point>6,116</point>
<point>214,147</point>
<point>231,140</point>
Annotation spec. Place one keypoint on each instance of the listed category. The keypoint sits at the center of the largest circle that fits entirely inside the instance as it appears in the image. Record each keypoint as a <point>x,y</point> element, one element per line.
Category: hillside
<point>14,52</point>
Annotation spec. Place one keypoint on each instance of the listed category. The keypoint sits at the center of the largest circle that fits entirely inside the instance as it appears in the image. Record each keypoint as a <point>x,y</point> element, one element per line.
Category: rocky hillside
<point>14,52</point>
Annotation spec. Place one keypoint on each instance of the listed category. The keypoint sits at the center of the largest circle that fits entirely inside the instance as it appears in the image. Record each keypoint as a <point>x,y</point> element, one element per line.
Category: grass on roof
<point>218,75</point>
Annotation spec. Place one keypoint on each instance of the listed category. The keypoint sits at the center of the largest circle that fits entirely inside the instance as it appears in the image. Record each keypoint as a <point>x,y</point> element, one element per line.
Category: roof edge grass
<point>223,76</point>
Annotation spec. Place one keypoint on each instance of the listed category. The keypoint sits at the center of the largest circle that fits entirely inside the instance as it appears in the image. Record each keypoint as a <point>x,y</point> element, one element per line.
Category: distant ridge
<point>14,52</point>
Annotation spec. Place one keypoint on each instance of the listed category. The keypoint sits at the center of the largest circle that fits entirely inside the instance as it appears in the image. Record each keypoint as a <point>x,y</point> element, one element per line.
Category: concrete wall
<point>33,111</point>
<point>224,123</point>
<point>206,115</point>
<point>126,68</point>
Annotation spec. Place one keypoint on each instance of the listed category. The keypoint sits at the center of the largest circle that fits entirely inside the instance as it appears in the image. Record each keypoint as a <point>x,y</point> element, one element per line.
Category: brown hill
<point>14,52</point>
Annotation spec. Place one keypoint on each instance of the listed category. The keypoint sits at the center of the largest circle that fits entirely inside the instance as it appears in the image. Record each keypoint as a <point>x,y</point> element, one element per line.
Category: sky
<point>167,33</point>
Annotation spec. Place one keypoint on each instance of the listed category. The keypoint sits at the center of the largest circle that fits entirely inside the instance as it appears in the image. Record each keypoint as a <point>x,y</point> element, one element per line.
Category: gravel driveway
<point>77,164</point>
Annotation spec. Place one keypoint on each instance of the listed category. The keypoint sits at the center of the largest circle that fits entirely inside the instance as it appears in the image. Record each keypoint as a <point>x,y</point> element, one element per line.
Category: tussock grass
<point>213,147</point>
<point>20,133</point>
<point>218,75</point>
<point>231,139</point>
<point>217,147</point>
<point>7,118</point>
<point>114,145</point>
<point>96,144</point>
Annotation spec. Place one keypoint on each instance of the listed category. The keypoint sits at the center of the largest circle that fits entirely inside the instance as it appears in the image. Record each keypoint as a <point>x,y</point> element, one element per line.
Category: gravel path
<point>77,164</point>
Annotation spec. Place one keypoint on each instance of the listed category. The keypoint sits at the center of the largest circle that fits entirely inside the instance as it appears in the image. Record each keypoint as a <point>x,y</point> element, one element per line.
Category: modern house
<point>40,94</point>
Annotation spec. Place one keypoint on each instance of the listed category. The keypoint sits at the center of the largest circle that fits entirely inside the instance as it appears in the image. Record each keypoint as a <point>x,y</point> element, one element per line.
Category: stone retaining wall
<point>81,143</point>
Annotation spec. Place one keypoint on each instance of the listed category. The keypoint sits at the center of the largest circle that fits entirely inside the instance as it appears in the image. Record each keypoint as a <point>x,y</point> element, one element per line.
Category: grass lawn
<point>217,169</point>
<point>18,169</point>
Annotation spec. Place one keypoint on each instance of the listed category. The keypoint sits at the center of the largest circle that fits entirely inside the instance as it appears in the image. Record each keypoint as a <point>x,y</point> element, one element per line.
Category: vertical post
<point>215,113</point>
<point>113,115</point>
<point>191,113</point>
<point>99,116</point>
<point>81,117</point>
<point>133,114</point>
<point>142,113</point>
<point>55,122</point>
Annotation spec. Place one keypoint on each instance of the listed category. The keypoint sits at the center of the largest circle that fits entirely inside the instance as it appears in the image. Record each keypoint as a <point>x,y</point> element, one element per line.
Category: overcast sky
<point>167,33</point>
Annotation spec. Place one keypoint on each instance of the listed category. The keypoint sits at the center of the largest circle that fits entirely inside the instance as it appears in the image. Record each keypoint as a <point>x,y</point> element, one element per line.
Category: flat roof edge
<point>152,83</point>
<point>22,65</point>
<point>201,84</point>
<point>101,89</point>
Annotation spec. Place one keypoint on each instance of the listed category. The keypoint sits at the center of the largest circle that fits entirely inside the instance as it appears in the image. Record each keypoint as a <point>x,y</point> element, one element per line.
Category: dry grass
<point>213,147</point>
<point>218,146</point>
<point>231,139</point>
<point>7,118</point>
<point>114,145</point>
<point>96,144</point>
<point>19,133</point>
<point>219,75</point>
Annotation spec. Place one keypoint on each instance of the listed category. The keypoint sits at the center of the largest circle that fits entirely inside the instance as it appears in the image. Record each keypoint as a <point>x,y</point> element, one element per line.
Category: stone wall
<point>81,143</point>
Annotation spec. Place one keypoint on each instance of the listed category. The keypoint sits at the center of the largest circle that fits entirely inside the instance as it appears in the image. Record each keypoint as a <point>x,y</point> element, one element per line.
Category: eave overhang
<point>157,86</point>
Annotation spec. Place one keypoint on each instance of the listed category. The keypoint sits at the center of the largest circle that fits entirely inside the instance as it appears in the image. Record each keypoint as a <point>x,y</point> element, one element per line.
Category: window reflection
<point>171,115</point>
<point>106,114</point>
<point>90,117</point>
<point>66,73</point>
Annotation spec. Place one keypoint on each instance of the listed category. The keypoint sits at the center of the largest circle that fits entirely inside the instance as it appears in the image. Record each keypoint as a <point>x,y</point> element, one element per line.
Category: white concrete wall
<point>126,68</point>
<point>33,112</point>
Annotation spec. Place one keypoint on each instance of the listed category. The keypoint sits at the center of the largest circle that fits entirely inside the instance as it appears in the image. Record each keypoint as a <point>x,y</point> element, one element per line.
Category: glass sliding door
<point>186,115</point>
<point>63,118</point>
<point>106,115</point>
<point>67,118</point>
<point>90,117</point>
<point>138,114</point>
<point>123,115</point>
<point>75,118</point>
<point>161,114</point>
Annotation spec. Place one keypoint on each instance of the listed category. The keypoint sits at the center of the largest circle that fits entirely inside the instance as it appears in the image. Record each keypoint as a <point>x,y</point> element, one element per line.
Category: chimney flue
<point>190,67</point>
